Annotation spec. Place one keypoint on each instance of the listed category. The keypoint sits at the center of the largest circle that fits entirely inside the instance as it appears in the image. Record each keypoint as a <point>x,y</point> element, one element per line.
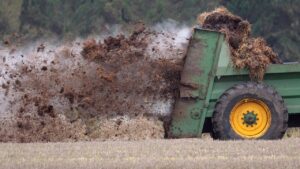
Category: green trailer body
<point>208,72</point>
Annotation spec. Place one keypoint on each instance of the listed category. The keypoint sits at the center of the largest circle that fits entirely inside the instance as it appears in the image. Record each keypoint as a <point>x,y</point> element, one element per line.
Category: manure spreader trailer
<point>212,89</point>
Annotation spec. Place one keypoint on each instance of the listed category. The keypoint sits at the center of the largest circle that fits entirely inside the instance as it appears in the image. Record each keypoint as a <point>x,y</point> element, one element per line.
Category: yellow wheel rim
<point>250,118</point>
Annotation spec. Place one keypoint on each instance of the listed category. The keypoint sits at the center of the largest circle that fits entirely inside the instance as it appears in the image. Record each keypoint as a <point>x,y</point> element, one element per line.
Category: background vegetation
<point>276,20</point>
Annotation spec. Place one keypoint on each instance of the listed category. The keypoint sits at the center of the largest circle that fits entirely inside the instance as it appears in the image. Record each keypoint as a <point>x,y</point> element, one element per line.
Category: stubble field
<point>181,153</point>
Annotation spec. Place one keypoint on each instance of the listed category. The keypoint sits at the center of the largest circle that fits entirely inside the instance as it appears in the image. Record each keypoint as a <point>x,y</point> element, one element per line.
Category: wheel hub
<point>250,118</point>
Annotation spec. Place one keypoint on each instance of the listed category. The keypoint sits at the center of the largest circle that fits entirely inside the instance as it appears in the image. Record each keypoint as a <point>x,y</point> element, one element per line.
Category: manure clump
<point>247,52</point>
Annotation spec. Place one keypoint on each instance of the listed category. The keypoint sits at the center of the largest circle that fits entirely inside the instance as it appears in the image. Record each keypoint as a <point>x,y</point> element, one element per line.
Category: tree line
<point>276,20</point>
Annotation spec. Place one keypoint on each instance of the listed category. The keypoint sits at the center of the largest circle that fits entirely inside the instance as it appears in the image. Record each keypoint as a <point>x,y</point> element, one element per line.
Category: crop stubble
<point>180,153</point>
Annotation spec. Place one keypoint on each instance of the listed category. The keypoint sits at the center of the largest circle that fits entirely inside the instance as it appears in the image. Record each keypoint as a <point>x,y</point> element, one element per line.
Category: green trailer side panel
<point>196,84</point>
<point>198,64</point>
<point>185,118</point>
<point>286,84</point>
<point>272,69</point>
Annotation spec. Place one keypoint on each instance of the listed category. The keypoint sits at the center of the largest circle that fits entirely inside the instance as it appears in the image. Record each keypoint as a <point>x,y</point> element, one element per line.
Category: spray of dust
<point>52,93</point>
<point>170,43</point>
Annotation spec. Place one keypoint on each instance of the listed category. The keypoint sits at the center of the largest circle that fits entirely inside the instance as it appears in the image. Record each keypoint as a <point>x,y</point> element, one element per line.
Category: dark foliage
<point>276,20</point>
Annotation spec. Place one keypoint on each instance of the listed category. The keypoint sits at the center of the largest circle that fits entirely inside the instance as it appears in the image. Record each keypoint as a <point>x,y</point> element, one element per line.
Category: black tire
<point>279,115</point>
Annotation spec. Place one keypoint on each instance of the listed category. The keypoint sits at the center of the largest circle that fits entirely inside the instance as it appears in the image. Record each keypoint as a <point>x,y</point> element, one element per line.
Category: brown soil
<point>251,53</point>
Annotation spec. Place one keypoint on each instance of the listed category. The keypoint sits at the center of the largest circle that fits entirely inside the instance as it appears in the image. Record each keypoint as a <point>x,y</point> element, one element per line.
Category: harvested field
<point>182,153</point>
